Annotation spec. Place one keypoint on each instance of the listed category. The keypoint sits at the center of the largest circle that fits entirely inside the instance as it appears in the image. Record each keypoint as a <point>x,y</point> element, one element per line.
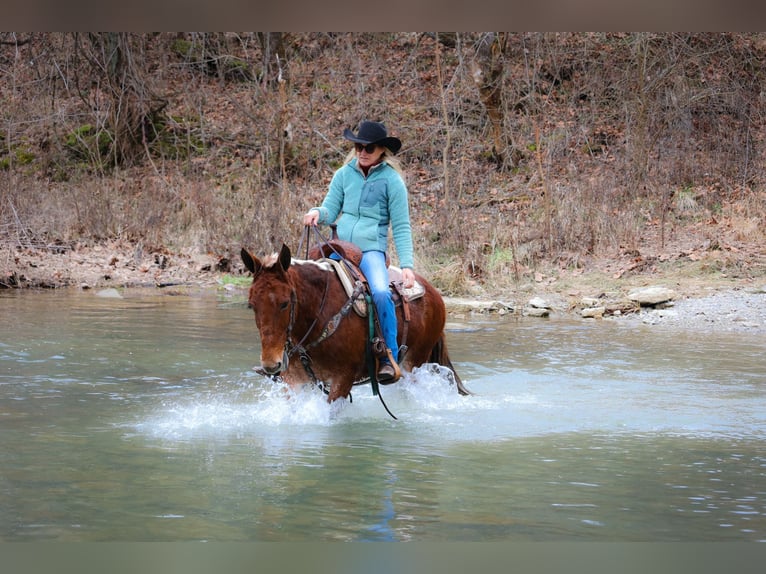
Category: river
<point>140,418</point>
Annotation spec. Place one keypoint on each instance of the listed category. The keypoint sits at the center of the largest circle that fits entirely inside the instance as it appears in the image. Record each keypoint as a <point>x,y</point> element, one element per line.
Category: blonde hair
<point>387,157</point>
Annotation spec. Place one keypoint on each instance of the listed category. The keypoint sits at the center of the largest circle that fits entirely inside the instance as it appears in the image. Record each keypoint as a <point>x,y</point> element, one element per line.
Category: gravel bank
<point>733,310</point>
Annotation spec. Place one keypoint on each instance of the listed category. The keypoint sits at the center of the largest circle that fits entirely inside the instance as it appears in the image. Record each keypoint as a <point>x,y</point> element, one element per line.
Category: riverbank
<point>739,309</point>
<point>716,308</point>
<point>109,264</point>
<point>700,301</point>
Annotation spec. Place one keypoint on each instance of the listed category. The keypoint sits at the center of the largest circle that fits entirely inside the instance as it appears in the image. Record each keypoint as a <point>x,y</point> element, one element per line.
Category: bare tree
<point>272,47</point>
<point>125,108</point>
<point>488,73</point>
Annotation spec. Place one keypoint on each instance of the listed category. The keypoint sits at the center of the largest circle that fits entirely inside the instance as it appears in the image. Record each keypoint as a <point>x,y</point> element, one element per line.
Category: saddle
<point>345,249</point>
<point>345,258</point>
<point>348,271</point>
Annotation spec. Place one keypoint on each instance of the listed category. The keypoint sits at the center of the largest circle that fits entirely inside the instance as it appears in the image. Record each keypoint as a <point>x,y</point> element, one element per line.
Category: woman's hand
<point>408,278</point>
<point>311,218</point>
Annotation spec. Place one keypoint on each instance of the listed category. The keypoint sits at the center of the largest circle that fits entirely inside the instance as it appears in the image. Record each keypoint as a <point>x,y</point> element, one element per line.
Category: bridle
<point>302,348</point>
<point>332,325</point>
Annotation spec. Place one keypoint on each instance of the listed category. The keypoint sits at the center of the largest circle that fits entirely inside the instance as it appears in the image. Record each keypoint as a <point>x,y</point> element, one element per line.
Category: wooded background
<point>522,150</point>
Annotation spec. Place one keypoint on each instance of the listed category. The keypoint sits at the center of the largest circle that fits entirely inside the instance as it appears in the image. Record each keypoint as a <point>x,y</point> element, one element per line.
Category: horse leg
<point>293,378</point>
<point>294,381</point>
<point>440,356</point>
<point>339,390</point>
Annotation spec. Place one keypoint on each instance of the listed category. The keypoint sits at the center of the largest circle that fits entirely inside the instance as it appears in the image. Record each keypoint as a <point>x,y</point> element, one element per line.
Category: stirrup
<point>389,377</point>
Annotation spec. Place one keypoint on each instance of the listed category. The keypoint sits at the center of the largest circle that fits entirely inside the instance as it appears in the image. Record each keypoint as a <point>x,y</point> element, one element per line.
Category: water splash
<point>254,407</point>
<point>235,409</point>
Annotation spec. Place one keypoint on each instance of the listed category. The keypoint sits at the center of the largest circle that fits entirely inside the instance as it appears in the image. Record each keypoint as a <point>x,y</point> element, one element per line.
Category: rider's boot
<point>388,370</point>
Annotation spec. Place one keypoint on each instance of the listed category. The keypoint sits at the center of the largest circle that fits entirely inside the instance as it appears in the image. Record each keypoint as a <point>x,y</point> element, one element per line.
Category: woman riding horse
<point>369,194</point>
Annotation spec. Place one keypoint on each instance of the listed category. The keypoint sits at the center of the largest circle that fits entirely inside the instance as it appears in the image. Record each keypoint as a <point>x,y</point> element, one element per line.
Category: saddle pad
<point>360,305</point>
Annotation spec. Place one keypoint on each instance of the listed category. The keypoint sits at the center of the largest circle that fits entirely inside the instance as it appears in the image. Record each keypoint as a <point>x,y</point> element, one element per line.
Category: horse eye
<point>284,306</point>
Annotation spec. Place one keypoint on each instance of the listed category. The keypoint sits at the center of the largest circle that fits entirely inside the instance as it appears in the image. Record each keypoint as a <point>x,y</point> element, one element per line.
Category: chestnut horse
<point>307,337</point>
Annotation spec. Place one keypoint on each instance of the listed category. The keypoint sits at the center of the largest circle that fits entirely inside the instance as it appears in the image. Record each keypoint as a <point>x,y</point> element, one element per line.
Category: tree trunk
<point>132,110</point>
<point>488,73</point>
<point>272,47</point>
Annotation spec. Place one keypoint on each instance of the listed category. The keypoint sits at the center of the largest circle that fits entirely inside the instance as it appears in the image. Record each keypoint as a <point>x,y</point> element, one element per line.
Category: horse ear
<point>250,261</point>
<point>285,257</point>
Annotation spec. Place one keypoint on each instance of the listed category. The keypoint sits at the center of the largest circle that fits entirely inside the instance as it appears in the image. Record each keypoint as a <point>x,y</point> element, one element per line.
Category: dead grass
<point>602,172</point>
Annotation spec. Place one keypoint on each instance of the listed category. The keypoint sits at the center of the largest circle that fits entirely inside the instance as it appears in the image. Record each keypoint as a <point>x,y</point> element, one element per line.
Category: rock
<point>536,312</point>
<point>109,294</point>
<point>539,303</point>
<point>460,305</point>
<point>593,312</point>
<point>650,296</point>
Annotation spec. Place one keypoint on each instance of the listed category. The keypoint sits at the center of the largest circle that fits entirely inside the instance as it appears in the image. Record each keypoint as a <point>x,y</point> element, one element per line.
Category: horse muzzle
<point>273,368</point>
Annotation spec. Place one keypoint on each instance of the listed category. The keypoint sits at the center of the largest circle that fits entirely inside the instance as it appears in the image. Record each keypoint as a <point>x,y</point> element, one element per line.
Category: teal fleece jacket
<point>367,205</point>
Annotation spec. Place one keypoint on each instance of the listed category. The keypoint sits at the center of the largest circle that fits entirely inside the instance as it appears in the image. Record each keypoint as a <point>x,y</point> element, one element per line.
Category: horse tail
<point>439,355</point>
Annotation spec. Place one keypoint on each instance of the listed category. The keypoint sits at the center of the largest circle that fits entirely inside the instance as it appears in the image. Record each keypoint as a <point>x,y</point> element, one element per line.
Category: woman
<point>369,194</point>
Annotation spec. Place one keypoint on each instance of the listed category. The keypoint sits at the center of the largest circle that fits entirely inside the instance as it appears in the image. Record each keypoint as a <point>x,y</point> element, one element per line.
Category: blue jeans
<point>374,268</point>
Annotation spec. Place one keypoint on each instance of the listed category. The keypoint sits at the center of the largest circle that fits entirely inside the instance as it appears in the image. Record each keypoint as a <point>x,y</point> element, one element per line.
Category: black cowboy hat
<point>373,133</point>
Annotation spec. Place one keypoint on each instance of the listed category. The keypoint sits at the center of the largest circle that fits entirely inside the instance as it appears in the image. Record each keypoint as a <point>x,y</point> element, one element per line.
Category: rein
<point>332,325</point>
<point>290,348</point>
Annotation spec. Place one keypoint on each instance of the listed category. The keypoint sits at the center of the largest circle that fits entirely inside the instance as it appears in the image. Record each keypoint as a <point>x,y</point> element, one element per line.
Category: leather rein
<point>301,348</point>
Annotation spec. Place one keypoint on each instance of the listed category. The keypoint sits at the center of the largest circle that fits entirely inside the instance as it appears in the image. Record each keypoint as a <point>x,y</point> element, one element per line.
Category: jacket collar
<point>373,169</point>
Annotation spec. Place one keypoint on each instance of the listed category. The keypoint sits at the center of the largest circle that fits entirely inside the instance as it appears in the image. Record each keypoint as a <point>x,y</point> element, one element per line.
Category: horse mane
<point>270,260</point>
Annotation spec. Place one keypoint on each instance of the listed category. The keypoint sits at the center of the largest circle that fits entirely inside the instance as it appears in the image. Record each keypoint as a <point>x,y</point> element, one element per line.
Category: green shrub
<point>89,143</point>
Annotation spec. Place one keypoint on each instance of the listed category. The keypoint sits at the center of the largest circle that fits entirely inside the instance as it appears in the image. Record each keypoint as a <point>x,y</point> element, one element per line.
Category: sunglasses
<point>369,148</point>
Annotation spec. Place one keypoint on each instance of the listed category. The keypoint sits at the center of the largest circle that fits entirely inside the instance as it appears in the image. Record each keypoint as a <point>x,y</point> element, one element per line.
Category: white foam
<point>258,405</point>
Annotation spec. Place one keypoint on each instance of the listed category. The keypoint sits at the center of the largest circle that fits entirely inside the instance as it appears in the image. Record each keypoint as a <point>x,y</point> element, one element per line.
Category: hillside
<point>562,162</point>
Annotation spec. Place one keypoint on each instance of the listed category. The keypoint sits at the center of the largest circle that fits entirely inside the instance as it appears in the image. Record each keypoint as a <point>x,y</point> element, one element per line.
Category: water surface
<point>140,418</point>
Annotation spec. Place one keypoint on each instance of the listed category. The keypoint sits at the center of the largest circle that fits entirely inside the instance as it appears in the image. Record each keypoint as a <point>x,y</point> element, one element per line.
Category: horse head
<point>272,298</point>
